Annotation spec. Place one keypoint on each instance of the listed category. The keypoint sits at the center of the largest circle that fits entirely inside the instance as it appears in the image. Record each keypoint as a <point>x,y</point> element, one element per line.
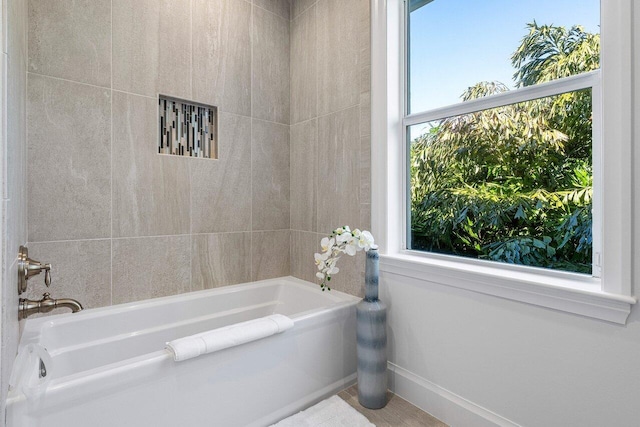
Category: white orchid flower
<point>350,250</point>
<point>327,244</point>
<point>366,240</point>
<point>320,260</point>
<point>344,237</point>
<point>341,241</point>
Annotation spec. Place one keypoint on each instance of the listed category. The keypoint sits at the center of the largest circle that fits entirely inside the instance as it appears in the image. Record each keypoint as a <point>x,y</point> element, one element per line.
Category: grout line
<point>70,81</point>
<point>189,166</point>
<point>25,178</point>
<point>316,188</point>
<point>251,67</point>
<point>302,11</point>
<point>163,236</point>
<point>273,13</point>
<point>156,98</point>
<point>324,115</point>
<point>111,155</point>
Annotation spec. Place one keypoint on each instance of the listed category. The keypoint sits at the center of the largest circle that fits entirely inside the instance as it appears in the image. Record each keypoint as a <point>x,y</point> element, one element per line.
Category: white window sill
<point>578,295</point>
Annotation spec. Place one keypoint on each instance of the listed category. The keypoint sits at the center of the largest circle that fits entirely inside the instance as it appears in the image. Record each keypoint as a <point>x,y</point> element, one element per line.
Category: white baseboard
<point>448,407</point>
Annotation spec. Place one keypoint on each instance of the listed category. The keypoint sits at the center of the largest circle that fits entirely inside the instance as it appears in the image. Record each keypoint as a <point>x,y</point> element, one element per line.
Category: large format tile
<point>150,191</point>
<point>221,189</point>
<point>279,7</point>
<point>338,170</point>
<point>365,169</point>
<point>222,54</point>
<point>69,180</point>
<point>220,260</point>
<point>150,267</point>
<point>14,65</point>
<point>304,66</point>
<point>304,175</point>
<point>303,246</point>
<point>79,269</point>
<point>339,54</point>
<point>270,70</point>
<point>71,39</point>
<point>152,47</point>
<point>299,6</point>
<point>270,175</point>
<point>270,254</point>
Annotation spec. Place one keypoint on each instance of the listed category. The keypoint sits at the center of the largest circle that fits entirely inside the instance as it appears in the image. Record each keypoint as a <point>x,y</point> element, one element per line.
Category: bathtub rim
<point>33,326</point>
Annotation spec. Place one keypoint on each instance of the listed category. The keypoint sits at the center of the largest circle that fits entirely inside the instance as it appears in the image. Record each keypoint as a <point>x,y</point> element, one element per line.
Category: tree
<point>513,183</point>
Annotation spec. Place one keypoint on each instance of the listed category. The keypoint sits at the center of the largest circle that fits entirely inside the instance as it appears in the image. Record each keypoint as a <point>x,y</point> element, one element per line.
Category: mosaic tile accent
<point>187,128</point>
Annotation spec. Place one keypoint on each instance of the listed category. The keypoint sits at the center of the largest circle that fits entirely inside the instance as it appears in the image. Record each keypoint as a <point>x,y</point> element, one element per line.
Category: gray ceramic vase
<point>371,334</point>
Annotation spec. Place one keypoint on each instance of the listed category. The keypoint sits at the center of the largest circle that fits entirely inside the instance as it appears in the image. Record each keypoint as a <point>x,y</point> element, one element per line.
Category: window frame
<point>607,297</point>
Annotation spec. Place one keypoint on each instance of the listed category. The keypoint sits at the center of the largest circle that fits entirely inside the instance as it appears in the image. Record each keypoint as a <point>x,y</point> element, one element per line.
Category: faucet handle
<point>28,267</point>
<point>47,274</point>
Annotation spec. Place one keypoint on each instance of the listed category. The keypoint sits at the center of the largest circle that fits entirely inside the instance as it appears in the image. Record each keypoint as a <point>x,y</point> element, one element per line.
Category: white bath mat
<point>333,412</point>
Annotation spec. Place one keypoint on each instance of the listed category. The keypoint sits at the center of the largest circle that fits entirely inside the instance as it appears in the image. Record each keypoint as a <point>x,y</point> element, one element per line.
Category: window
<point>509,177</point>
<point>530,148</point>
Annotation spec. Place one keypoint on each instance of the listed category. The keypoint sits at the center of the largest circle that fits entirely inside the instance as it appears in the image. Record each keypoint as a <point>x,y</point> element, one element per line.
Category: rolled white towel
<point>228,336</point>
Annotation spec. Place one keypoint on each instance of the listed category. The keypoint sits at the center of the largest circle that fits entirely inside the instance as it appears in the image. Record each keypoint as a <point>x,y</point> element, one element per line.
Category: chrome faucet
<point>28,268</point>
<point>46,304</point>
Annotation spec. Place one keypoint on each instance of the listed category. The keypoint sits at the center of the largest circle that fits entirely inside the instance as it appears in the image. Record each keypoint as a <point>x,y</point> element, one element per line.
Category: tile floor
<point>397,413</point>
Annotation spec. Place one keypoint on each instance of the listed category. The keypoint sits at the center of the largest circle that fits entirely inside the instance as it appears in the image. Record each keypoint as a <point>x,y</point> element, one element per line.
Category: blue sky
<point>457,43</point>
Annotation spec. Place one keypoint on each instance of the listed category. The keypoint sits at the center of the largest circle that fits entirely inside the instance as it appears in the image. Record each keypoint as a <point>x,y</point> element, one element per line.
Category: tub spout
<point>45,305</point>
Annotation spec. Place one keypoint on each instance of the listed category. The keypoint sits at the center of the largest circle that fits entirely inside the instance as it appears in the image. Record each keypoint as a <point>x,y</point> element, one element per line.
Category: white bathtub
<point>109,367</point>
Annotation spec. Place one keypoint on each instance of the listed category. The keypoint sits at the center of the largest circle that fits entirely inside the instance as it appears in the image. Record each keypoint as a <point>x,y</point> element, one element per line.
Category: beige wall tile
<point>270,71</point>
<point>80,270</point>
<point>13,68</point>
<point>304,175</point>
<point>365,216</point>
<point>222,54</point>
<point>71,39</point>
<point>270,175</point>
<point>299,6</point>
<point>303,246</point>
<point>339,54</point>
<point>338,170</point>
<point>150,267</point>
<point>304,66</point>
<point>15,145</point>
<point>152,47</point>
<point>221,189</point>
<point>279,7</point>
<point>270,254</point>
<point>69,160</point>
<point>365,113</point>
<point>151,192</point>
<point>365,169</point>
<point>220,260</point>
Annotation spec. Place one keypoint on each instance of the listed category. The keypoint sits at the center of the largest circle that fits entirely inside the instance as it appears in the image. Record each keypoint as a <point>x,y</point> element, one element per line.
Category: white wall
<point>530,365</point>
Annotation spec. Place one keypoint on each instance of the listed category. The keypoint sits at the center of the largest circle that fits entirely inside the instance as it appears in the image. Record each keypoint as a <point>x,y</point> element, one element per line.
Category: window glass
<point>454,44</point>
<point>511,184</point>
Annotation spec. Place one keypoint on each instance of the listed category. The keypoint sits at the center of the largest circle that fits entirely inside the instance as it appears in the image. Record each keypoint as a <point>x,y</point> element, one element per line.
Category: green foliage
<point>514,183</point>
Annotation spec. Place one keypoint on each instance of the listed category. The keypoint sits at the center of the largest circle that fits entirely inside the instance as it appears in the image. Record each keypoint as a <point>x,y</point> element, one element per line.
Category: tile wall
<point>13,82</point>
<point>330,131</point>
<point>119,222</point>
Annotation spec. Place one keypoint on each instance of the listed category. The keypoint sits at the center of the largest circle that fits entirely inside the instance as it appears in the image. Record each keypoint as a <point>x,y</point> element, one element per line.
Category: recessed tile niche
<point>187,128</point>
